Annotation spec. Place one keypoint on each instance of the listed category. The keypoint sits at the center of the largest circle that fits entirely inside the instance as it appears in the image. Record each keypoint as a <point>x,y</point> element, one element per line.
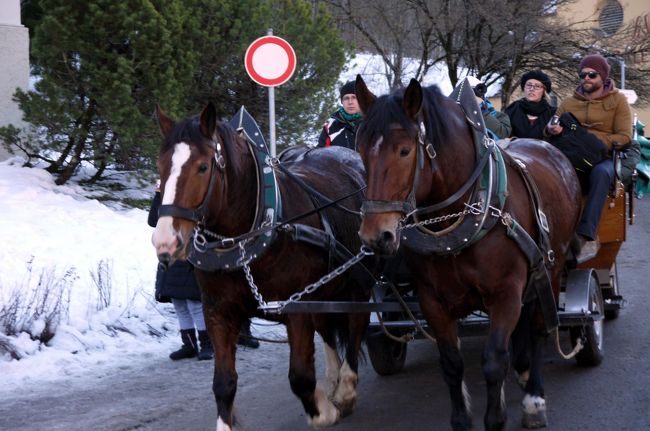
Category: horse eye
<point>404,152</point>
<point>203,168</point>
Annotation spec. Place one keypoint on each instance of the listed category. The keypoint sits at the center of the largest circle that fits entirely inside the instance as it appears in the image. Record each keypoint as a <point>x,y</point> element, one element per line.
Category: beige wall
<point>14,67</point>
<point>635,12</point>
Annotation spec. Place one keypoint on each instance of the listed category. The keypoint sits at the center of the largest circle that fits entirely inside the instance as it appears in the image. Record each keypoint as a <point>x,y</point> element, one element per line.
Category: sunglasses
<point>591,75</point>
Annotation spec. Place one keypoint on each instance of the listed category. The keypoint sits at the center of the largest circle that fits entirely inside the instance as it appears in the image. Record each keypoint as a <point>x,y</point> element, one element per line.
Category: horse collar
<point>227,254</point>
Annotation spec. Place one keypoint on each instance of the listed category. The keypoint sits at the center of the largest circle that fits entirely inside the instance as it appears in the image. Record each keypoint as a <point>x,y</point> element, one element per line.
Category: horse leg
<point>521,346</point>
<point>223,334</point>
<point>534,404</point>
<point>451,361</point>
<point>345,396</point>
<point>302,373</point>
<point>332,358</point>
<point>504,315</point>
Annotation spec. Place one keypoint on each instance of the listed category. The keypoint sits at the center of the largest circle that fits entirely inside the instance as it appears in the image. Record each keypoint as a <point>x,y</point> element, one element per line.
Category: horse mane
<point>189,130</point>
<point>388,109</point>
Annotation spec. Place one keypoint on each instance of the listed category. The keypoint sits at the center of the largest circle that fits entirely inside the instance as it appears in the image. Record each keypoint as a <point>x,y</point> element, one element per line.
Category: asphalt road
<point>158,394</point>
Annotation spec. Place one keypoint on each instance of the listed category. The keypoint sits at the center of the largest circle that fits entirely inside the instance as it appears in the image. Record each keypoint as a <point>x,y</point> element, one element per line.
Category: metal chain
<point>278,306</point>
<point>475,208</point>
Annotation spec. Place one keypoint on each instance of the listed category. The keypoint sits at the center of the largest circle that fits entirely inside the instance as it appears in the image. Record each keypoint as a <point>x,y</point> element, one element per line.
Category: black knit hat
<point>538,75</point>
<point>348,88</point>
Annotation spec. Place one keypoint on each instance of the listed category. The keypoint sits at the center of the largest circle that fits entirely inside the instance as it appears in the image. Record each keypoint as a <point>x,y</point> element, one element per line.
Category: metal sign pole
<point>271,111</point>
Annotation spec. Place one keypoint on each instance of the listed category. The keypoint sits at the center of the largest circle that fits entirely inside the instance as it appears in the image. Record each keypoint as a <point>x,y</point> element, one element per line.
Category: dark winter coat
<point>178,281</point>
<point>338,132</point>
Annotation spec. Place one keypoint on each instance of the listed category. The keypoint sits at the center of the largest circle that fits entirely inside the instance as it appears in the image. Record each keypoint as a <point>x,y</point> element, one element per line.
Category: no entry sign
<point>270,61</point>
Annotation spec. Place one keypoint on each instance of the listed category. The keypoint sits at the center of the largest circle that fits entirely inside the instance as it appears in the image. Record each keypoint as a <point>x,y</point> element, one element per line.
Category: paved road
<point>157,394</point>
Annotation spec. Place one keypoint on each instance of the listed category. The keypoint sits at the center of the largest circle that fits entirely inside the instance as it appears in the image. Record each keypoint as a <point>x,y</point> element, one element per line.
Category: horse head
<point>388,143</point>
<point>191,165</point>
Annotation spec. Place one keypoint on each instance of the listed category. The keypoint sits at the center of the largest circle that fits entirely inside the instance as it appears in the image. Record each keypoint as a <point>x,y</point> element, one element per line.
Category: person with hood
<point>497,123</point>
<point>530,114</point>
<point>603,111</point>
<point>341,128</point>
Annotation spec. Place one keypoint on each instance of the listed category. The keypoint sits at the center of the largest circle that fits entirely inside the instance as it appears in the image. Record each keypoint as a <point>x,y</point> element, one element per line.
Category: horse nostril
<point>386,237</point>
<point>163,261</point>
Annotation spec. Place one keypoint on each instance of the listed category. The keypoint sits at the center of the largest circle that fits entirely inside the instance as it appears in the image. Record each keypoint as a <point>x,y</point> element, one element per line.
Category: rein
<point>229,242</point>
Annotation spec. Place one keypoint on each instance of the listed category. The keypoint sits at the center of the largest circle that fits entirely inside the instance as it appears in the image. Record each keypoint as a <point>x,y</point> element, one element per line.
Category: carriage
<point>258,262</point>
<point>590,294</point>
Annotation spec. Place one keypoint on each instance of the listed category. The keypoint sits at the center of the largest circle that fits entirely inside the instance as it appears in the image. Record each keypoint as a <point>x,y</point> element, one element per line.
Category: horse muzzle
<point>382,238</point>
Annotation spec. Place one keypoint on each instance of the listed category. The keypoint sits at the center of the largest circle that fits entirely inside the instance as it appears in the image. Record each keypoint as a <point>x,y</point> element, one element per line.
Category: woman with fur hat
<point>530,114</point>
<point>341,128</point>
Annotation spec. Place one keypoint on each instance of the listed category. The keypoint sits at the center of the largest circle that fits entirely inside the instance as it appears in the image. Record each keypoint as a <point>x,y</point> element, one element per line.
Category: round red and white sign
<point>270,61</point>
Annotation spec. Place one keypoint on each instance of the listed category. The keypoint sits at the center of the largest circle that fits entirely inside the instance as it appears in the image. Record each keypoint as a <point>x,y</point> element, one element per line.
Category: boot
<point>246,338</point>
<point>189,349</point>
<point>206,352</point>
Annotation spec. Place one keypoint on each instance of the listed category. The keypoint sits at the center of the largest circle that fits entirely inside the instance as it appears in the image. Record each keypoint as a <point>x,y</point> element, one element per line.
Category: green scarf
<point>350,118</point>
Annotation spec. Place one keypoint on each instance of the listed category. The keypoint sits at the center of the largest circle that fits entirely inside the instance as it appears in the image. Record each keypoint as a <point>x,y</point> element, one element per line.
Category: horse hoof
<point>328,413</point>
<point>534,412</point>
<point>532,421</point>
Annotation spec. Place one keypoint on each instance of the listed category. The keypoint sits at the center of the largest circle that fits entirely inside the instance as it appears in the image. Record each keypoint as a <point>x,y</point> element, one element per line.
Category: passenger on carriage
<point>341,128</point>
<point>497,123</point>
<point>530,114</point>
<point>602,110</point>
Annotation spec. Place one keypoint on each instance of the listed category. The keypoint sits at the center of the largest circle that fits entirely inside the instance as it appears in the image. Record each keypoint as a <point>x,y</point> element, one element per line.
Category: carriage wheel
<point>613,313</point>
<point>386,356</point>
<point>591,354</point>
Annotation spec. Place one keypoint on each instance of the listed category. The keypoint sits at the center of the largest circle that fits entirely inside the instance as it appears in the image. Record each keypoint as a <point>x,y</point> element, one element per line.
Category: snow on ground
<point>55,230</point>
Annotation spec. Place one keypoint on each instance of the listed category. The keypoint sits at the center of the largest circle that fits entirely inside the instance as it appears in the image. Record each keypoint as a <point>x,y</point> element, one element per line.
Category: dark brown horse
<point>418,150</point>
<point>210,179</point>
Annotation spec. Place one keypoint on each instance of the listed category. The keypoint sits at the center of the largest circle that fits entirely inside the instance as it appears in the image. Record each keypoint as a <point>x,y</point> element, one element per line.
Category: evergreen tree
<point>225,30</point>
<point>101,67</point>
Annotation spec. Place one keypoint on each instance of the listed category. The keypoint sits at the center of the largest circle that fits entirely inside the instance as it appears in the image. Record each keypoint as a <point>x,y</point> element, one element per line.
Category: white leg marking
<point>332,369</point>
<point>328,413</point>
<point>468,398</point>
<point>346,392</point>
<point>164,236</point>
<point>222,426</point>
<point>533,404</point>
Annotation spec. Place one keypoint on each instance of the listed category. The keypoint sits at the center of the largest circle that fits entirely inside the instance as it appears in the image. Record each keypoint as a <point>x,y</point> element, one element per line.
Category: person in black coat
<point>177,284</point>
<point>530,114</point>
<point>341,128</point>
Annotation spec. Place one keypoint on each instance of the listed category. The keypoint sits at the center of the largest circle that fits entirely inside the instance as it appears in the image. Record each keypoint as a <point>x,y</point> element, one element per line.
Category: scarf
<point>518,112</point>
<point>350,118</point>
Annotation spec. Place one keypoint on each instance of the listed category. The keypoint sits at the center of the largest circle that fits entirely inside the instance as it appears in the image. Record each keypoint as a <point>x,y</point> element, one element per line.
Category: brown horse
<point>418,150</point>
<point>210,181</point>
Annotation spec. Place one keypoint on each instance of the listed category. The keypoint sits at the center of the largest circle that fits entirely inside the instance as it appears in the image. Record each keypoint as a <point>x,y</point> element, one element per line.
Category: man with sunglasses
<point>603,111</point>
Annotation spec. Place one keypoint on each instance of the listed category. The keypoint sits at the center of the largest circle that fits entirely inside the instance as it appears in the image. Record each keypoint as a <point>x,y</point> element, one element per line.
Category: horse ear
<point>364,96</point>
<point>413,99</point>
<point>208,120</point>
<point>165,123</point>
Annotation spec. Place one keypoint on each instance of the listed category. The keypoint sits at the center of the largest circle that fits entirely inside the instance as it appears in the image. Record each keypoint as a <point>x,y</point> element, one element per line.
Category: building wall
<point>599,14</point>
<point>14,67</point>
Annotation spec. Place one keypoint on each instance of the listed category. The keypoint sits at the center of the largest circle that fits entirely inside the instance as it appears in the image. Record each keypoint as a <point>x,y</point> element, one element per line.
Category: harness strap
<point>465,187</point>
<point>539,282</point>
<point>261,230</point>
<point>370,206</point>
